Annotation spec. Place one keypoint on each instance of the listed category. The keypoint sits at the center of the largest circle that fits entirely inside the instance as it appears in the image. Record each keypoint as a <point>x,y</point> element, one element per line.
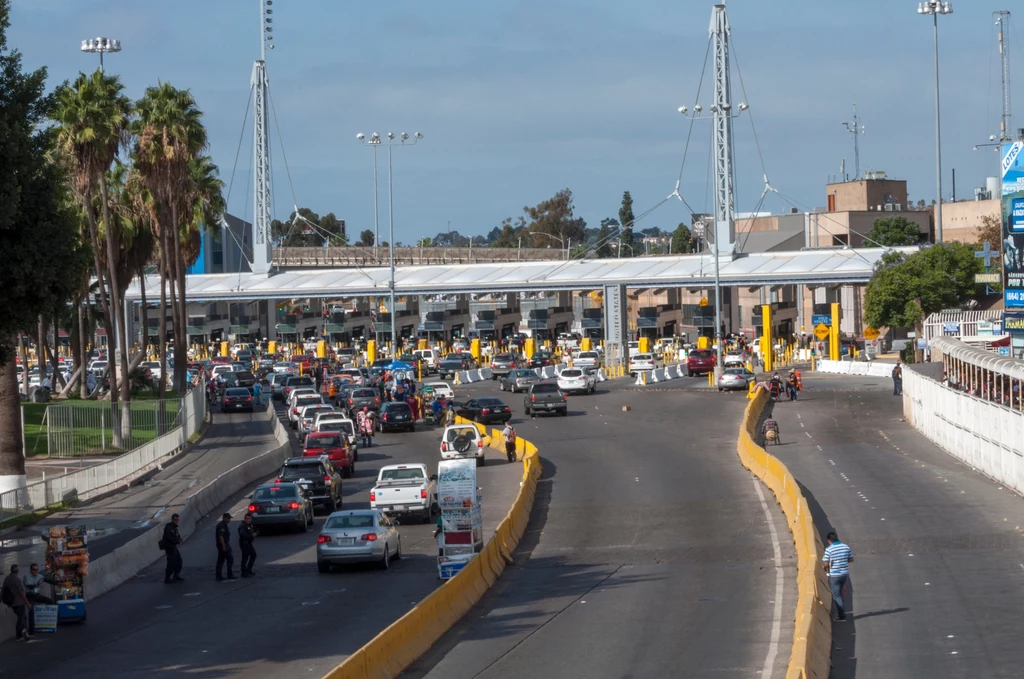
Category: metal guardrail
<point>405,256</point>
<point>87,483</point>
<point>74,429</point>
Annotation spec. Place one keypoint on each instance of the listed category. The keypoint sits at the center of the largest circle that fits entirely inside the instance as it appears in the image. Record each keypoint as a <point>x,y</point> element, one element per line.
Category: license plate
<point>549,405</point>
<point>272,510</point>
<point>346,541</point>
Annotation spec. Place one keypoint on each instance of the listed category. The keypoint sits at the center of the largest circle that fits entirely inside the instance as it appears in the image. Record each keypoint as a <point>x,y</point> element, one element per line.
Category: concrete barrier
<point>812,637</point>
<point>389,653</point>
<point>868,368</point>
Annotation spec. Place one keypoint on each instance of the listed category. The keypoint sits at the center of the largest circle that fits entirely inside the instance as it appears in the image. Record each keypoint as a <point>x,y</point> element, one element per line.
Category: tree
<point>366,239</point>
<point>306,228</point>
<point>509,233</point>
<point>990,231</point>
<point>682,240</point>
<point>893,232</point>
<point>626,241</point>
<point>552,222</point>
<point>905,289</point>
<point>425,243</point>
<point>44,255</point>
<point>605,235</point>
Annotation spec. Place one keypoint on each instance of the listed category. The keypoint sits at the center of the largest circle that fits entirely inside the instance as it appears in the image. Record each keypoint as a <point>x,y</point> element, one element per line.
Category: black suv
<point>240,379</point>
<point>396,416</point>
<point>318,476</point>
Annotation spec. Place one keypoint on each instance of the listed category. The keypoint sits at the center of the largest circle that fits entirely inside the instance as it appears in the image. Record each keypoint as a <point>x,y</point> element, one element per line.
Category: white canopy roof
<point>1002,365</point>
<point>816,266</point>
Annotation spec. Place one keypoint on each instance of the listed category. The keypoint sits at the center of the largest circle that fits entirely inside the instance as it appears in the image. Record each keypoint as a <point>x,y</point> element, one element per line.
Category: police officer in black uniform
<point>224,555</point>
<point>246,536</point>
<point>169,543</point>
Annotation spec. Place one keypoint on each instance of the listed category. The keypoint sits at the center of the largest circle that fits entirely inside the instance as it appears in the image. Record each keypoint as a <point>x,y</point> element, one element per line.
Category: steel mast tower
<point>856,129</point>
<point>1003,21</point>
<point>725,200</point>
<point>261,236</point>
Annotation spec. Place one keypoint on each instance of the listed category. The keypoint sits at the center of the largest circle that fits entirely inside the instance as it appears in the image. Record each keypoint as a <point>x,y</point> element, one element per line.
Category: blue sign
<point>1013,323</point>
<point>951,327</point>
<point>1004,351</point>
<point>1014,298</point>
<point>1017,215</point>
<point>1012,203</point>
<point>821,319</point>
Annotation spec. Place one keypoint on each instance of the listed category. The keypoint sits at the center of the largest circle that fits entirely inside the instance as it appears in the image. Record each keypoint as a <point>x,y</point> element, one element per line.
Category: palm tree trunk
<point>175,318</point>
<point>41,347</point>
<point>108,324</point>
<point>144,312</point>
<point>12,464</point>
<point>58,378</point>
<point>23,352</point>
<point>119,313</point>
<point>181,346</point>
<point>162,338</point>
<point>82,358</point>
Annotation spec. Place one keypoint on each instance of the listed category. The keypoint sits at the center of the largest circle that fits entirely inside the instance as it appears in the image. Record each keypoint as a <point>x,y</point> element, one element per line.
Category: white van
<point>429,357</point>
<point>634,349</point>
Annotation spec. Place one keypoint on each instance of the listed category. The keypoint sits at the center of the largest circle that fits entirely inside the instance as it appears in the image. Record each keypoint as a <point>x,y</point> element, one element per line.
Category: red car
<point>335,446</point>
<point>700,362</point>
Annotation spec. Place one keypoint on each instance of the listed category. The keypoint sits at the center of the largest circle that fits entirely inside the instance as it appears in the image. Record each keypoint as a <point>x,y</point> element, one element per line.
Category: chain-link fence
<point>78,429</point>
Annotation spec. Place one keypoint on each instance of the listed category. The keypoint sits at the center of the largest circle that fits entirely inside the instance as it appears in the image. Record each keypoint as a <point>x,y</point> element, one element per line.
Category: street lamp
<point>392,140</point>
<point>101,46</point>
<point>561,241</point>
<point>717,113</point>
<point>935,8</point>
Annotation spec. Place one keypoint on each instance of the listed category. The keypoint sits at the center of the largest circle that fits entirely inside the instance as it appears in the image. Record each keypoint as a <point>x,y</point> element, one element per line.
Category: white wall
<point>986,436</point>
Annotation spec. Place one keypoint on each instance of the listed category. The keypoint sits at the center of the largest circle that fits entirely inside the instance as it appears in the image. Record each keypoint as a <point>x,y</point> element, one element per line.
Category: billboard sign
<point>1013,224</point>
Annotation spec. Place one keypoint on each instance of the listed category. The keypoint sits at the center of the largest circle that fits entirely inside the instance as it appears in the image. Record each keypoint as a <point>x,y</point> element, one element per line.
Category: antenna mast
<point>261,236</point>
<point>725,199</point>
<point>1003,21</point>
<point>856,129</point>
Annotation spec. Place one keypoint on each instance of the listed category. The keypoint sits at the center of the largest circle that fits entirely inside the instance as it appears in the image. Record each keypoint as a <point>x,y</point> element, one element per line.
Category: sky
<point>518,99</point>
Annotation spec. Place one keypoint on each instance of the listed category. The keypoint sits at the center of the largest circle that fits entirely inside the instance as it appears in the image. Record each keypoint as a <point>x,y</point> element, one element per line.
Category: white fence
<point>987,436</point>
<point>73,429</point>
<point>87,483</point>
<point>869,368</point>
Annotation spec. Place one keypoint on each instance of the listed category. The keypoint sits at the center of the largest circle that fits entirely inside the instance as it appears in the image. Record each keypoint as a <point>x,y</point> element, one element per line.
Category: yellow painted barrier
<point>389,653</point>
<point>810,657</point>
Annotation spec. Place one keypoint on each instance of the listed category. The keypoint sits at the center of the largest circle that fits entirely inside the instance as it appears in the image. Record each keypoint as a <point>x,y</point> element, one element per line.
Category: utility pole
<point>856,129</point>
<point>1003,21</point>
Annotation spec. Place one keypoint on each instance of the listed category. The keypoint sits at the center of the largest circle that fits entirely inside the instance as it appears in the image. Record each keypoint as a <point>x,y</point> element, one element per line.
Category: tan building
<point>962,220</point>
<point>873,193</point>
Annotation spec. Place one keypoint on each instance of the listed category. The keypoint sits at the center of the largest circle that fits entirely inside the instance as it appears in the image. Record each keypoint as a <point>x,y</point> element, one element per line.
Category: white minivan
<point>430,359</point>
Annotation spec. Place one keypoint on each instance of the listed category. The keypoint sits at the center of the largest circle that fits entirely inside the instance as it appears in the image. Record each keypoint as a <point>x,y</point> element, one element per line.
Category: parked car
<point>317,476</point>
<point>236,399</point>
<point>519,379</point>
<point>641,363</point>
<point>335,446</point>
<point>396,416</point>
<point>735,378</point>
<point>281,504</point>
<point>577,380</point>
<point>405,489</point>
<point>485,410</point>
<point>441,389</point>
<point>545,397</point>
<point>462,441</point>
<point>358,535</point>
<point>701,362</point>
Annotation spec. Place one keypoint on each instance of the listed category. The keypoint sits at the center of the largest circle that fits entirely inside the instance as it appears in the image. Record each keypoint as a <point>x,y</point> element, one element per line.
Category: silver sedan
<point>356,536</point>
<point>518,380</point>
<point>735,378</point>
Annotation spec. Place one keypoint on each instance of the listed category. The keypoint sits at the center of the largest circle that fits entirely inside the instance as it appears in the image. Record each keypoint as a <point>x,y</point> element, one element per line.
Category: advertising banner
<point>456,483</point>
<point>1013,224</point>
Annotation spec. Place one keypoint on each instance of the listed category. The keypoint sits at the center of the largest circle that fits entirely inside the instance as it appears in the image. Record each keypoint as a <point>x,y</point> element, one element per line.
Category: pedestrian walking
<point>897,379</point>
<point>509,433</point>
<point>13,594</point>
<point>837,560</point>
<point>257,393</point>
<point>224,555</point>
<point>169,543</point>
<point>246,536</point>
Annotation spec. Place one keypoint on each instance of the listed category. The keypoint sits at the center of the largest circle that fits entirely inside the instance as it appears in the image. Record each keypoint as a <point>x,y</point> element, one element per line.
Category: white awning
<point>1002,365</point>
<point>810,267</point>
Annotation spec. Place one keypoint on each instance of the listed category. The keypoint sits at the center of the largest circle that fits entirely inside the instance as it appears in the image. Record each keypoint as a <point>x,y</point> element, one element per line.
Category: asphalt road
<point>938,579</point>
<point>112,521</point>
<point>289,621</point>
<point>648,552</point>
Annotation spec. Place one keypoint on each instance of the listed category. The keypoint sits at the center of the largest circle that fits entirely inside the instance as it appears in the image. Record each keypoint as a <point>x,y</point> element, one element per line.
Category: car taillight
<point>369,537</point>
<point>565,397</point>
<point>384,417</point>
<point>252,509</point>
<point>423,494</point>
<point>293,505</point>
<point>480,443</point>
<point>351,402</point>
<point>373,496</point>
<point>532,399</point>
<point>444,447</point>
<point>321,539</point>
<point>277,480</point>
<point>485,411</point>
<point>295,410</point>
<point>327,478</point>
<point>376,400</point>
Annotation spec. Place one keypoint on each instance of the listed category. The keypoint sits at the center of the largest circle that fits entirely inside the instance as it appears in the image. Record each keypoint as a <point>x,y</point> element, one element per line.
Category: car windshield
<point>300,382</point>
<point>643,357</point>
<point>350,521</point>
<point>588,354</point>
<point>300,471</point>
<point>283,365</point>
<point>401,474</point>
<point>544,388</point>
<point>244,375</point>
<point>704,353</point>
<point>314,441</point>
<point>489,402</point>
<point>243,393</point>
<point>504,357</point>
<point>306,400</point>
<point>283,491</point>
<point>456,432</point>
<point>525,373</point>
<point>364,393</point>
<point>439,386</point>
<point>572,373</point>
<point>734,371</point>
<point>397,408</point>
<point>381,362</point>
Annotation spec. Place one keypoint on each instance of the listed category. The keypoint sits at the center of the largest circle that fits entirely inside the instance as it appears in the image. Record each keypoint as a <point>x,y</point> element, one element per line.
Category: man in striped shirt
<point>837,560</point>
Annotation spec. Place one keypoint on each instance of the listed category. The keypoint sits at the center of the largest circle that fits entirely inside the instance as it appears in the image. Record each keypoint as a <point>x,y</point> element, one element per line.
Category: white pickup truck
<point>405,489</point>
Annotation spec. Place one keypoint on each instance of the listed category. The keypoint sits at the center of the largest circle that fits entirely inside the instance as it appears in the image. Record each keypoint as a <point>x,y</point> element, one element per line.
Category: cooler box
<point>71,610</point>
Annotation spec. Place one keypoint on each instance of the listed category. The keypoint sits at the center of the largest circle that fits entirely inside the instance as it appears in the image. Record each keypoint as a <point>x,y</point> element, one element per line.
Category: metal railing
<point>75,429</point>
<point>87,483</point>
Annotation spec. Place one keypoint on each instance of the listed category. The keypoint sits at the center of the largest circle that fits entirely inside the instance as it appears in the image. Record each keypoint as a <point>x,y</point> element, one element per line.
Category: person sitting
<point>772,426</point>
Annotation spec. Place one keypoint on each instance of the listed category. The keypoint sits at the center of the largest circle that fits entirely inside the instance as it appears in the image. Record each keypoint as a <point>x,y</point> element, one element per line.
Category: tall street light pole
<point>393,140</point>
<point>935,8</point>
<point>101,46</point>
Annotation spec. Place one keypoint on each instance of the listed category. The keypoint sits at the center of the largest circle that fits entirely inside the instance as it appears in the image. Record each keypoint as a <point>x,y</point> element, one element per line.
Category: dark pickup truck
<point>453,363</point>
<point>545,397</point>
<point>363,397</point>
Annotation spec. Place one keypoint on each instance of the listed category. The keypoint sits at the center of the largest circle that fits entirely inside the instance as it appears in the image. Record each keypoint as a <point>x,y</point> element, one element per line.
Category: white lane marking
<point>193,593</point>
<point>798,416</point>
<point>773,646</point>
<point>801,425</point>
<point>808,434</point>
<point>165,606</point>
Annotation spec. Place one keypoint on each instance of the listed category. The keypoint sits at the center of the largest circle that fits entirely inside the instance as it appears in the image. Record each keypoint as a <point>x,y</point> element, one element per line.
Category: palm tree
<point>169,133</point>
<point>204,201</point>
<point>93,117</point>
